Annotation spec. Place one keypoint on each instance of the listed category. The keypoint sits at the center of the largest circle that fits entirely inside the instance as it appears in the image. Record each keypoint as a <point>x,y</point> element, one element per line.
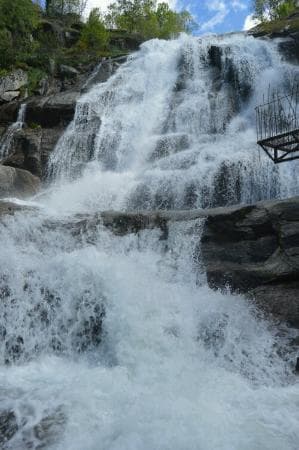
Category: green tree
<point>63,7</point>
<point>18,20</point>
<point>94,35</point>
<point>19,17</point>
<point>172,23</point>
<point>273,9</point>
<point>147,18</point>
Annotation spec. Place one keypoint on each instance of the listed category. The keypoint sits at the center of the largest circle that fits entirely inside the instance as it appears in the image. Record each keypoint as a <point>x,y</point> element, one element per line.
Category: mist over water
<point>116,343</point>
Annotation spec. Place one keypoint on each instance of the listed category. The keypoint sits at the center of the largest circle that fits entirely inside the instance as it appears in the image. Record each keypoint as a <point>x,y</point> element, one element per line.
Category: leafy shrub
<point>94,35</point>
<point>34,78</point>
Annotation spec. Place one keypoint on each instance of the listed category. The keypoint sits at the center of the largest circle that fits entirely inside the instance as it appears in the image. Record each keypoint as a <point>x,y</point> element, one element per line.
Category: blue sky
<point>219,16</point>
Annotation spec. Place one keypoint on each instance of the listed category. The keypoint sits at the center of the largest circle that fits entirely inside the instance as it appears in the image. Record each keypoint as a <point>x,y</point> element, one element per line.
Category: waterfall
<point>179,118</point>
<point>7,138</point>
<point>116,342</point>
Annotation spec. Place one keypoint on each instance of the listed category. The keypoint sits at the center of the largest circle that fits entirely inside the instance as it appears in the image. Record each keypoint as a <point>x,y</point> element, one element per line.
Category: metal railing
<point>279,115</point>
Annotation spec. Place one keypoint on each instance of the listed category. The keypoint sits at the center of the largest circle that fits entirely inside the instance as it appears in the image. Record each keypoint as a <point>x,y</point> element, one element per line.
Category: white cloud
<point>250,22</point>
<point>238,5</point>
<point>220,9</point>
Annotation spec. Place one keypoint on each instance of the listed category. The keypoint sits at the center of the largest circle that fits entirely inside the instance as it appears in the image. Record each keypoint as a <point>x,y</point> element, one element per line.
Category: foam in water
<point>116,342</point>
<point>7,138</point>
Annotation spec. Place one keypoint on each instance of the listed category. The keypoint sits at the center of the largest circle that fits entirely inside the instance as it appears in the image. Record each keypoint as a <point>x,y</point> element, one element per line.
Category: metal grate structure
<point>277,123</point>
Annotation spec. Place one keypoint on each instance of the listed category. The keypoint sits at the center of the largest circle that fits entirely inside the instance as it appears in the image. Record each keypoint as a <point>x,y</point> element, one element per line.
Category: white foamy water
<point>7,139</point>
<point>116,343</point>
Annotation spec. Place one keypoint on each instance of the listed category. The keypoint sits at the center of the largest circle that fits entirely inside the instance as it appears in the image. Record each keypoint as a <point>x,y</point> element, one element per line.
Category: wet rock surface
<point>17,182</point>
<point>256,249</point>
<point>54,110</point>
<point>48,113</point>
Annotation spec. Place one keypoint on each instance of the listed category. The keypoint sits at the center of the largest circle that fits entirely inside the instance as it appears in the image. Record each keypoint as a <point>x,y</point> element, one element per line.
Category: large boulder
<point>17,183</point>
<point>281,300</point>
<point>26,151</point>
<point>255,250</point>
<point>31,147</point>
<point>53,110</point>
<point>252,245</point>
<point>11,84</point>
<point>9,113</point>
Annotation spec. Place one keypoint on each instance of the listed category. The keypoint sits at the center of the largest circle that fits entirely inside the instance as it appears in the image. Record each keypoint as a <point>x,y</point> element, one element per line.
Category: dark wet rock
<point>105,69</point>
<point>255,249</point>
<point>43,434</point>
<point>31,149</point>
<point>54,110</point>
<point>289,48</point>
<point>9,113</point>
<point>241,85</point>
<point>8,426</point>
<point>64,329</point>
<point>215,55</point>
<point>9,209</point>
<point>14,349</point>
<point>50,428</point>
<point>26,151</point>
<point>281,300</point>
<point>17,182</point>
<point>68,71</point>
<point>227,185</point>
<point>253,245</point>
<point>297,365</point>
<point>169,144</point>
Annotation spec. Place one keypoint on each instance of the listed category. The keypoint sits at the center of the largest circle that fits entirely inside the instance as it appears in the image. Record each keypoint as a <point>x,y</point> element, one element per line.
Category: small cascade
<point>7,138</point>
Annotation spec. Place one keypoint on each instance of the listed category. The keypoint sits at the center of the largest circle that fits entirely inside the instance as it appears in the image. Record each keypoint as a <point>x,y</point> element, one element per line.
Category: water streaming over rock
<point>116,342</point>
<point>7,138</point>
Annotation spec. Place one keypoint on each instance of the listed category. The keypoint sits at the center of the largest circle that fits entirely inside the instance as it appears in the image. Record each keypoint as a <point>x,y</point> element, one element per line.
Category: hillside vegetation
<point>36,36</point>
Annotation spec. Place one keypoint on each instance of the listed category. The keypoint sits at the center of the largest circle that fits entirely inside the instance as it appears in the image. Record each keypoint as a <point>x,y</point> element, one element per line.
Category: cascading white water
<point>117,343</point>
<point>7,138</point>
<point>179,119</point>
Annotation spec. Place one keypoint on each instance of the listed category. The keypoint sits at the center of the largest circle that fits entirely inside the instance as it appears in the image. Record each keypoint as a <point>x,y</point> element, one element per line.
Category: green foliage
<point>286,8</point>
<point>148,18</point>
<point>38,41</point>
<point>65,7</point>
<point>94,35</point>
<point>7,55</point>
<point>34,78</point>
<point>34,126</point>
<point>273,9</point>
<point>18,19</point>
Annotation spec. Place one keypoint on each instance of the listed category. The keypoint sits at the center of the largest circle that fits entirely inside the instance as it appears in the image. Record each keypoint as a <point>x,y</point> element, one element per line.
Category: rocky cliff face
<point>47,115</point>
<point>255,249</point>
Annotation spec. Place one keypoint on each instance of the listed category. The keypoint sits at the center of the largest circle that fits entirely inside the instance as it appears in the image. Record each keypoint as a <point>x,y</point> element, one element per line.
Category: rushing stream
<point>116,343</point>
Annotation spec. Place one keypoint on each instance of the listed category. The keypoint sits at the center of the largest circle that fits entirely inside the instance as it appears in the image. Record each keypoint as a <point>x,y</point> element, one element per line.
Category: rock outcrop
<point>27,151</point>
<point>255,249</point>
<point>9,208</point>
<point>53,110</point>
<point>48,115</point>
<point>17,182</point>
<point>11,85</point>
